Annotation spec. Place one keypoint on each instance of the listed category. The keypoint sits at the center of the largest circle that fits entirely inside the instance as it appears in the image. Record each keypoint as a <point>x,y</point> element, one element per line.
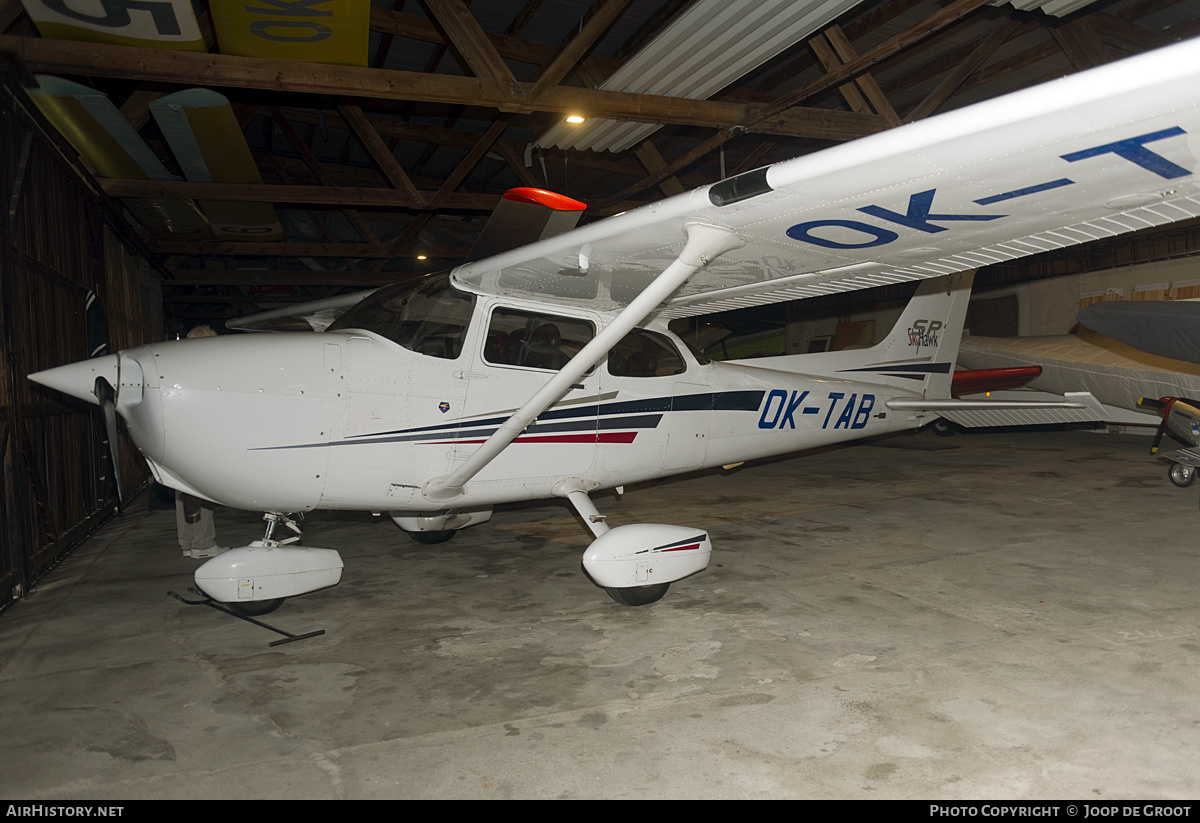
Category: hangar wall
<point>1048,306</point>
<point>59,239</point>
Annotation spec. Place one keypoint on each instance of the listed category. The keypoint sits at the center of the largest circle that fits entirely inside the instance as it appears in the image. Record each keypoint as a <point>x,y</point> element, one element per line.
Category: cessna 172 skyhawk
<point>548,370</point>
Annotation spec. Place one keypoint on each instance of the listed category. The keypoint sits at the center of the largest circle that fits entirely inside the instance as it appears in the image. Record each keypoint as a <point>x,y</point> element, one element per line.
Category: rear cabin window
<point>429,317</point>
<point>644,353</point>
<point>533,340</point>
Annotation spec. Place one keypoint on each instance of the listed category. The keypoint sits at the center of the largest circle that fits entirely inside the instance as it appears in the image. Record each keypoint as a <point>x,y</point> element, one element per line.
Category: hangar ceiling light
<point>711,45</point>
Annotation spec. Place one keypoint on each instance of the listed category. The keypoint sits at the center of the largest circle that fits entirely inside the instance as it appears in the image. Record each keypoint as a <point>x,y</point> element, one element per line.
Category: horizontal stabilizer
<point>1078,407</point>
<point>978,381</point>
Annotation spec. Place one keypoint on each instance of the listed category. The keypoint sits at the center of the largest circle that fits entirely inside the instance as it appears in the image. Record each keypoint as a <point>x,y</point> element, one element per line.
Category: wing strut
<point>704,244</point>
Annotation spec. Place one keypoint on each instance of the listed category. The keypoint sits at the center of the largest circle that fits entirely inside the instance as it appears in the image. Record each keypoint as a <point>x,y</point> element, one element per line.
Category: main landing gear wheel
<point>638,595</point>
<point>943,427</point>
<point>432,538</point>
<point>1181,475</point>
<point>256,608</point>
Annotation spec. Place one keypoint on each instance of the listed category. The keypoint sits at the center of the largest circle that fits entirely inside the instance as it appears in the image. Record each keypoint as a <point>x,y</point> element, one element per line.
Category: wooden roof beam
<point>1079,42</point>
<point>416,28</point>
<point>101,60</point>
<point>473,46</point>
<point>253,249</point>
<point>379,152</point>
<point>290,195</point>
<point>310,160</point>
<point>964,70</point>
<point>865,81</point>
<point>572,52</point>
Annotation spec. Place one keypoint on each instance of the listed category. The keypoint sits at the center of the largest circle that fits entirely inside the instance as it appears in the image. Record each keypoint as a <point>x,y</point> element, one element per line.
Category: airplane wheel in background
<point>432,538</point>
<point>1181,475</point>
<point>943,427</point>
<point>638,595</point>
<point>256,608</point>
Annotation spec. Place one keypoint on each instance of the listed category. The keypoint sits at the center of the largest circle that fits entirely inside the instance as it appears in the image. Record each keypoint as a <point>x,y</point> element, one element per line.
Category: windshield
<point>428,316</point>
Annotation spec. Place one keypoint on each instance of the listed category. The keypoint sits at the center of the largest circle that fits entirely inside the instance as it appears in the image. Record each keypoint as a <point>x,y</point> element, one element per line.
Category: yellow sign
<point>163,24</point>
<point>311,31</point>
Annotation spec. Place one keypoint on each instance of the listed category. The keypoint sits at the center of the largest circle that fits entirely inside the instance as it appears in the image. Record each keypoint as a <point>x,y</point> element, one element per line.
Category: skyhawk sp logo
<point>924,333</point>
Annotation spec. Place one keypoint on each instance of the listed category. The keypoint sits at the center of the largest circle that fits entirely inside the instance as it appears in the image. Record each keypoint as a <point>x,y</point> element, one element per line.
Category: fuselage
<point>362,418</point>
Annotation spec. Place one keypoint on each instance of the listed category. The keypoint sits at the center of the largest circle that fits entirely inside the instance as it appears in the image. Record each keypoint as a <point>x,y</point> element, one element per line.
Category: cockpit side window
<point>429,317</point>
<point>644,353</point>
<point>534,340</point>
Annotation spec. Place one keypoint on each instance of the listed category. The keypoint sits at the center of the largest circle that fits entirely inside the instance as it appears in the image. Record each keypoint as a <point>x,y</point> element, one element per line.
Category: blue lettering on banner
<point>918,215</point>
<point>847,414</point>
<point>763,423</point>
<point>1025,192</point>
<point>864,411</point>
<point>881,237</point>
<point>306,31</point>
<point>921,217</point>
<point>779,410</point>
<point>834,396</point>
<point>1135,151</point>
<point>294,8</point>
<point>797,399</point>
<point>291,31</point>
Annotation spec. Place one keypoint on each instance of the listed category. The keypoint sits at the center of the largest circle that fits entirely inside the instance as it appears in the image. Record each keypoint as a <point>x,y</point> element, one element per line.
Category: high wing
<point>523,215</point>
<point>316,315</point>
<point>1089,156</point>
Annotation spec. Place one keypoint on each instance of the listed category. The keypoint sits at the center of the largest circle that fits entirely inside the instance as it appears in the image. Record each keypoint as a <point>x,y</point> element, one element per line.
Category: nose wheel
<point>638,595</point>
<point>256,608</point>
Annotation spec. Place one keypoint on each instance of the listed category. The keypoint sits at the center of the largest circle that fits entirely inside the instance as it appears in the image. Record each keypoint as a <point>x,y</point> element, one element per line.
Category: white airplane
<point>548,370</point>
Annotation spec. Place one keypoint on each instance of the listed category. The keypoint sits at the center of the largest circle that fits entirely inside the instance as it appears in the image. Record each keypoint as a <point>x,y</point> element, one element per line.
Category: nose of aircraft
<point>79,379</point>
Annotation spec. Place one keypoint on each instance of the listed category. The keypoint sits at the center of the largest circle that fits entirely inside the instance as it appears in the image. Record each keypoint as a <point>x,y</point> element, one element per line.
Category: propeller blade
<point>107,396</point>
<point>97,326</point>
<point>1158,436</point>
<point>1162,406</point>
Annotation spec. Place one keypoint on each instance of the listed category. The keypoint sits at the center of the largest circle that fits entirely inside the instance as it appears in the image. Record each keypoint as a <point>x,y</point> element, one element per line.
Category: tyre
<point>432,538</point>
<point>256,608</point>
<point>1181,475</point>
<point>638,595</point>
<point>943,427</point>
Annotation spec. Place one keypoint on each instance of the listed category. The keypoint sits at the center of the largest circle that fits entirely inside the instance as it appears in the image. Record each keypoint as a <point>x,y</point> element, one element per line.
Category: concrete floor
<point>990,616</point>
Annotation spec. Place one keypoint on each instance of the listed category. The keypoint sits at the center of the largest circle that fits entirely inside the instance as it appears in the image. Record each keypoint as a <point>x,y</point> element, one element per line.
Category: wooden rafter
<point>942,19</point>
<point>322,176</point>
<point>100,60</point>
<point>1079,42</point>
<point>866,81</point>
<point>653,162</point>
<point>574,50</point>
<point>964,70</point>
<point>509,47</point>
<point>473,156</point>
<point>237,249</point>
<point>379,152</point>
<point>936,22</point>
<point>267,193</point>
<point>473,45</point>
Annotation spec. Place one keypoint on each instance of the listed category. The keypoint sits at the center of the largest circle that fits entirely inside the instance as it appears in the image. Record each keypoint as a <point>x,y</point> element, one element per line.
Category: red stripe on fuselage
<point>599,437</point>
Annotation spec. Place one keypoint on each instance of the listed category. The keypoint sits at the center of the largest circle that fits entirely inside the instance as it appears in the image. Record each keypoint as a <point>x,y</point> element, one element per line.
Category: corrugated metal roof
<point>709,47</point>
